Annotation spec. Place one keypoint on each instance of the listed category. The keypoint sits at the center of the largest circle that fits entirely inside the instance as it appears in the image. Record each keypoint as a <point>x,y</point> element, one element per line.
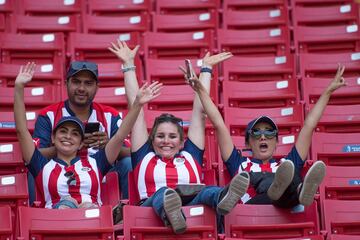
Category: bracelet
<point>206,69</point>
<point>126,69</point>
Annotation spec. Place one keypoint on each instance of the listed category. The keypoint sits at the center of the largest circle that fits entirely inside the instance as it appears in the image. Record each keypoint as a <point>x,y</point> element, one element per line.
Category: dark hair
<point>167,117</point>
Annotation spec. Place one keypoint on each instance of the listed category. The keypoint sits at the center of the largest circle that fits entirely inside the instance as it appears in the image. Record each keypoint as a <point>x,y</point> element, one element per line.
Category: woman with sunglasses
<point>272,182</point>
<point>70,181</point>
<point>164,158</point>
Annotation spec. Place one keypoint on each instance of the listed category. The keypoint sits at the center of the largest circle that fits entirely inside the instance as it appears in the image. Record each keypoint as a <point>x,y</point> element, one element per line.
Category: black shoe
<point>283,177</point>
<point>233,193</point>
<point>312,180</point>
<point>117,212</point>
<point>172,208</point>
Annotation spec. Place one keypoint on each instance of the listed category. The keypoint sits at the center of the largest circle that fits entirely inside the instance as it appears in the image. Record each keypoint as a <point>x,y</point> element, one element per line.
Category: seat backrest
<point>54,7</point>
<point>253,4</point>
<point>6,231</point>
<point>336,149</point>
<point>265,221</point>
<point>342,217</point>
<point>110,189</point>
<point>118,7</point>
<point>186,6</point>
<point>78,223</point>
<point>11,158</point>
<point>7,126</point>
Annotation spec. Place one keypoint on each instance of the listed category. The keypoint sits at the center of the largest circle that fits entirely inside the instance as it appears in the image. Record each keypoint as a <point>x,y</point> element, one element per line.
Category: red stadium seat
<point>112,96</point>
<point>80,48</point>
<point>340,13</point>
<point>210,154</point>
<point>336,149</point>
<point>50,74</point>
<point>343,237</point>
<point>178,45</point>
<point>118,7</point>
<point>110,189</point>
<point>342,217</point>
<point>75,223</point>
<point>289,119</point>
<point>2,22</point>
<point>253,4</point>
<point>340,119</point>
<point>258,42</point>
<point>327,39</point>
<point>186,6</point>
<point>54,7</point>
<point>325,65</point>
<point>44,24</point>
<point>35,97</point>
<point>167,72</point>
<point>115,24</point>
<point>314,87</point>
<point>269,222</point>
<point>11,158</point>
<point>250,19</point>
<point>185,22</point>
<point>260,95</point>
<point>7,125</point>
<point>317,237</point>
<point>7,6</point>
<point>248,69</point>
<point>316,2</point>
<point>41,48</point>
<point>6,231</point>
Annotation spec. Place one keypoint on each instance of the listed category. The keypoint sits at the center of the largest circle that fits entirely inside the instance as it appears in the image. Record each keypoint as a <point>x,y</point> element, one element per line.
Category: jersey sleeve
<point>102,161</point>
<point>196,152</point>
<point>42,132</point>
<point>234,162</point>
<point>115,123</point>
<point>139,155</point>
<point>37,162</point>
<point>295,158</point>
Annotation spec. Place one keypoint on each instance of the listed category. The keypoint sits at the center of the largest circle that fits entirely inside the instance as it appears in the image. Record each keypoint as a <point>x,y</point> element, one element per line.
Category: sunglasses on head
<point>256,133</point>
<point>80,65</point>
<point>71,178</point>
<point>169,118</point>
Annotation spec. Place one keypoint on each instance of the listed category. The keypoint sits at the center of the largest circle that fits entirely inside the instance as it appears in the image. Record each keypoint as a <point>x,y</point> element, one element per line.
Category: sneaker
<point>233,193</point>
<point>283,177</point>
<point>312,180</point>
<point>172,208</point>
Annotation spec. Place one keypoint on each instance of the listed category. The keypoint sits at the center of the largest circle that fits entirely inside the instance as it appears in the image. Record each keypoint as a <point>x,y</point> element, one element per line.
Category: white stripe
<point>182,172</point>
<point>141,178</point>
<point>52,118</point>
<point>65,113</point>
<point>160,175</point>
<point>85,182</point>
<point>255,168</point>
<point>192,162</point>
<point>46,171</point>
<point>95,168</point>
<point>108,121</point>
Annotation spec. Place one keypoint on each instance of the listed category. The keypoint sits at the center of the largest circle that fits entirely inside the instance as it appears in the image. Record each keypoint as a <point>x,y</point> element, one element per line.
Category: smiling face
<point>81,88</point>
<point>167,140</point>
<point>67,140</point>
<point>262,148</point>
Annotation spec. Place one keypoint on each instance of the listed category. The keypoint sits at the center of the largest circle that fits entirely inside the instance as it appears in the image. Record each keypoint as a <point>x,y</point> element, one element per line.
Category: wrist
<point>127,68</point>
<point>205,69</point>
<point>128,63</point>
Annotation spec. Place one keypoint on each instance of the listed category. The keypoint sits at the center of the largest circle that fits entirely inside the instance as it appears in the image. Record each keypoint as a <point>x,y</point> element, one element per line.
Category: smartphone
<point>188,68</point>
<point>91,127</point>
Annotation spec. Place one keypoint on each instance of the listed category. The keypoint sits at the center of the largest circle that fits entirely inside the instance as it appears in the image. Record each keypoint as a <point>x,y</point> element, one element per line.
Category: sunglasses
<point>269,134</point>
<point>80,65</point>
<point>169,118</point>
<point>71,178</point>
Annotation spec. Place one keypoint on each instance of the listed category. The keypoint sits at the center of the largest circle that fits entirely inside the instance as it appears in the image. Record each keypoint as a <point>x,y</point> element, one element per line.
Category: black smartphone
<point>188,68</point>
<point>91,127</point>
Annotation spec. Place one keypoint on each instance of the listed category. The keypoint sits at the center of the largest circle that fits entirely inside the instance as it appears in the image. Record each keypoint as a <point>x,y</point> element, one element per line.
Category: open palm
<point>123,52</point>
<point>148,92</point>
<point>26,73</point>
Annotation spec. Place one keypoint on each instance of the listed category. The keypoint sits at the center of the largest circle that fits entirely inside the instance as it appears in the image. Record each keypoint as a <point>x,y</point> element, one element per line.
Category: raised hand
<point>25,74</point>
<point>123,52</point>
<point>193,81</point>
<point>148,92</point>
<point>339,80</point>
<point>209,61</point>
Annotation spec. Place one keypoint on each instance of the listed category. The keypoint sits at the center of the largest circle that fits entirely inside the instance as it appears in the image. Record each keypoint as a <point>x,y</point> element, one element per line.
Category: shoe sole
<point>283,177</point>
<point>172,208</point>
<point>312,180</point>
<point>237,188</point>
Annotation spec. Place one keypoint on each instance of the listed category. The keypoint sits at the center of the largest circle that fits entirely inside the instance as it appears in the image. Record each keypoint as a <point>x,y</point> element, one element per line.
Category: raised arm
<point>197,127</point>
<point>139,134</point>
<point>304,139</point>
<point>26,142</point>
<point>222,133</point>
<point>145,94</point>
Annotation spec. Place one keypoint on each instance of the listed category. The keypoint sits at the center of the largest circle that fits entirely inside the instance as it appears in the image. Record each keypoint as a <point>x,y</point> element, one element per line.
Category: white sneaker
<point>172,208</point>
<point>283,177</point>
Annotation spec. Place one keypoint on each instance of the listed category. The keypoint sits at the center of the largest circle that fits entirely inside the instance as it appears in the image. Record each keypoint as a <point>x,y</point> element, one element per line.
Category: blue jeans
<point>208,196</point>
<point>123,167</point>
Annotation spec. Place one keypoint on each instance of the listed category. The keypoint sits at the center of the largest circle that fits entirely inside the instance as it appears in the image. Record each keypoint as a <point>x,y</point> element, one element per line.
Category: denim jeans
<point>208,196</point>
<point>123,167</point>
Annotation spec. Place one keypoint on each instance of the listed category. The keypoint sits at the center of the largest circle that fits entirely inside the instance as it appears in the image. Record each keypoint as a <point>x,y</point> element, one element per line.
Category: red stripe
<point>58,114</point>
<point>248,167</point>
<point>171,173</point>
<point>150,178</point>
<point>74,190</point>
<point>40,189</point>
<point>192,175</point>
<point>94,181</point>
<point>52,184</point>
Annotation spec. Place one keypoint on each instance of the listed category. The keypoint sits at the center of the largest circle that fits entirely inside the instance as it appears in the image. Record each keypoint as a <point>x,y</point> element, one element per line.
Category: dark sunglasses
<point>269,134</point>
<point>80,65</point>
<point>169,118</point>
<point>71,178</point>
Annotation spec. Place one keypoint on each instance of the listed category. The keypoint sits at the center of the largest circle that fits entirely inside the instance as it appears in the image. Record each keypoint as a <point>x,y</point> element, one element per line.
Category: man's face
<point>81,88</point>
